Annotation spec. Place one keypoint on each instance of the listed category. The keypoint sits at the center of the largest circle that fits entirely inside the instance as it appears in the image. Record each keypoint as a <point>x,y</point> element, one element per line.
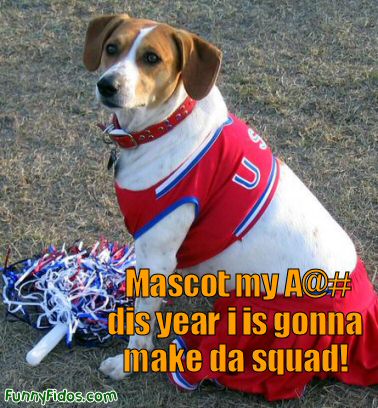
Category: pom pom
<point>70,292</point>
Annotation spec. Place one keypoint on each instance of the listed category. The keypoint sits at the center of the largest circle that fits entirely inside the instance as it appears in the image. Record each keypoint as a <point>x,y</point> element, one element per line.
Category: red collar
<point>132,140</point>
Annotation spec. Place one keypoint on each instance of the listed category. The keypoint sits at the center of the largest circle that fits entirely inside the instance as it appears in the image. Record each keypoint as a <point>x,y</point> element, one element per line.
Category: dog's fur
<point>294,231</point>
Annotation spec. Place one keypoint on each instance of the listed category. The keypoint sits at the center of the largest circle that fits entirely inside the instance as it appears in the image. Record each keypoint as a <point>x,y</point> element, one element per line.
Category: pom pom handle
<point>46,344</point>
<point>76,286</point>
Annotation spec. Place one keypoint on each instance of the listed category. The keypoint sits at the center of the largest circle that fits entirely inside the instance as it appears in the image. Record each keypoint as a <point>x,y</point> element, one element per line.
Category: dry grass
<point>305,72</point>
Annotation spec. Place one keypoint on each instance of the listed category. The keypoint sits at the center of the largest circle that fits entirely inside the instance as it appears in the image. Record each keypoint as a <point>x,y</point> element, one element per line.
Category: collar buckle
<point>135,143</point>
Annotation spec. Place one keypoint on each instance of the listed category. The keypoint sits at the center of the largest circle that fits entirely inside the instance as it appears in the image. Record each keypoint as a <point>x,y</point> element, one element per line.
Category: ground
<point>305,73</point>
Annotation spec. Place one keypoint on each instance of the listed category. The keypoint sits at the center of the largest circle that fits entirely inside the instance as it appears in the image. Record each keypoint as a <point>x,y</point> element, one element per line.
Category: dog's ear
<point>199,63</point>
<point>98,31</point>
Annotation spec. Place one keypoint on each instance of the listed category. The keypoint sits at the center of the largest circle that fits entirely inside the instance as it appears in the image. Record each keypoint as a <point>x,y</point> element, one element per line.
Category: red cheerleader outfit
<point>362,349</point>
<point>231,180</point>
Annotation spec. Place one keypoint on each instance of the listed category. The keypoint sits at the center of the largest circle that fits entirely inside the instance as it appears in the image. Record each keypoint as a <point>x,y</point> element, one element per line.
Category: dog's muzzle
<point>108,86</point>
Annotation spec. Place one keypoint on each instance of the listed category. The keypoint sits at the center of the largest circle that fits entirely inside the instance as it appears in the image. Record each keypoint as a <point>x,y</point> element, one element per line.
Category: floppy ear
<point>98,32</point>
<point>199,62</point>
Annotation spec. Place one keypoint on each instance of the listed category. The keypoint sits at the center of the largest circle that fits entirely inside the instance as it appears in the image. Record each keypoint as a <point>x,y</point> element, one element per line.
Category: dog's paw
<point>113,367</point>
<point>141,342</point>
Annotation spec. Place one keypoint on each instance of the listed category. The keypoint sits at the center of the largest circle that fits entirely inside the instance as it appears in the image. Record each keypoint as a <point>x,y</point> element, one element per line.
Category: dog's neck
<point>140,168</point>
<point>134,120</point>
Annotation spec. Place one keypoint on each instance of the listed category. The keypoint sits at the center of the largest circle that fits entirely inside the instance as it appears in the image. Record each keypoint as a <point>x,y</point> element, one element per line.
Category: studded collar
<point>131,140</point>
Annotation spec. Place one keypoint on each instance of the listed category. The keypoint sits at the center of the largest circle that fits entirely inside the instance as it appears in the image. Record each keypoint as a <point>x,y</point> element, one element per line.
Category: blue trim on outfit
<point>186,383</point>
<point>182,344</point>
<point>196,160</point>
<point>245,183</point>
<point>179,378</point>
<point>270,181</point>
<point>167,211</point>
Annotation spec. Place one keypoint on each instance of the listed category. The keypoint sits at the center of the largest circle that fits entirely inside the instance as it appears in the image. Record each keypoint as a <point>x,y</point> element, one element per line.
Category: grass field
<point>304,72</point>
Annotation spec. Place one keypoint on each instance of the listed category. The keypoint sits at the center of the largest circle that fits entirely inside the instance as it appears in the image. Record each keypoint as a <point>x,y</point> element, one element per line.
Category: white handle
<point>46,344</point>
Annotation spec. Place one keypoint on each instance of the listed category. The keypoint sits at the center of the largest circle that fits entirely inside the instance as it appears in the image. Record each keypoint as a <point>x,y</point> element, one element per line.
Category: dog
<point>150,72</point>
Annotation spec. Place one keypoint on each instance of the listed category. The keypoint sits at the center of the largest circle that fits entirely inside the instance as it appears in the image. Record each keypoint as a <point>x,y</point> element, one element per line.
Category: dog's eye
<point>151,58</point>
<point>111,49</point>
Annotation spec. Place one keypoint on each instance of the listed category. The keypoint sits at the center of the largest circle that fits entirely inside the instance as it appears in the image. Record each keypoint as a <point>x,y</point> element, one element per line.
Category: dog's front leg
<point>156,250</point>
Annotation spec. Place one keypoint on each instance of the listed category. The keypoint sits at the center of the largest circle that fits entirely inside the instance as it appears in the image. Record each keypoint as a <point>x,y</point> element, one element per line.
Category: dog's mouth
<point>117,101</point>
<point>113,105</point>
<point>110,104</point>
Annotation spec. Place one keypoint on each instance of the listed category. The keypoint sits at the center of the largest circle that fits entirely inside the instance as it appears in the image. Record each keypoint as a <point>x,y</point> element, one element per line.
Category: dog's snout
<point>108,86</point>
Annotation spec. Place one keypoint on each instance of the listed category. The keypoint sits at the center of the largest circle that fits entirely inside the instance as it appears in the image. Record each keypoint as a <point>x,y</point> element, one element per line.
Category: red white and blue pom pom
<point>71,292</point>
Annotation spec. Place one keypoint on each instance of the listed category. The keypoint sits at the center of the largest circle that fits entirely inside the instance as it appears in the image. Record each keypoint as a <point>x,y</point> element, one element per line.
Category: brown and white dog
<point>148,70</point>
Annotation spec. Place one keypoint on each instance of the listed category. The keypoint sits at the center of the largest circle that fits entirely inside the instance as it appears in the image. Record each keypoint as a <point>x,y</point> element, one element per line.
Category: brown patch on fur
<point>99,29</point>
<point>123,36</point>
<point>158,81</point>
<point>200,62</point>
<point>182,55</point>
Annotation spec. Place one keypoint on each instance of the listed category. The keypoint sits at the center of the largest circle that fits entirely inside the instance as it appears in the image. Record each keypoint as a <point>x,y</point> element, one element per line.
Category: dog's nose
<point>108,86</point>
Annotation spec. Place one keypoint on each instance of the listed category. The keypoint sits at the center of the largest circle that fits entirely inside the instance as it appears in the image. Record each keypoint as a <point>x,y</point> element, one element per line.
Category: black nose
<point>108,86</point>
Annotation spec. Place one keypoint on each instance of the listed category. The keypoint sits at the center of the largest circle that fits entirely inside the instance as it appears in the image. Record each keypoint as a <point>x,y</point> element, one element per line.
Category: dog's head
<point>142,61</point>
